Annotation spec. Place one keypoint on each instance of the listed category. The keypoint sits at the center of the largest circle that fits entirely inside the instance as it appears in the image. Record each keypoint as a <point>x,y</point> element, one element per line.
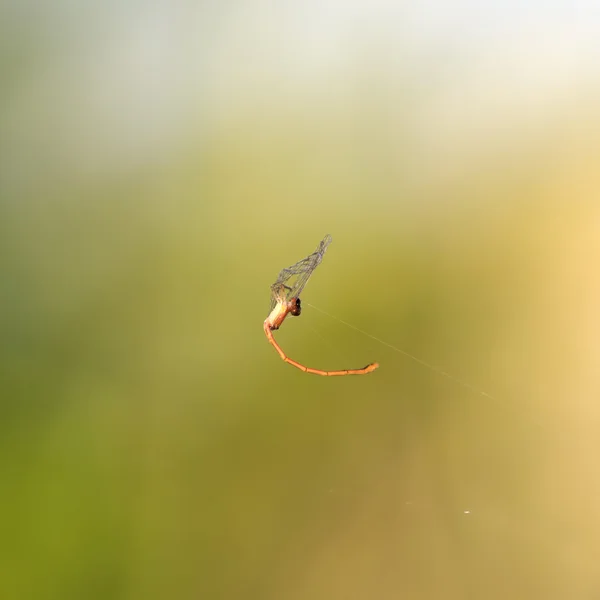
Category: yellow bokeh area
<point>161,163</point>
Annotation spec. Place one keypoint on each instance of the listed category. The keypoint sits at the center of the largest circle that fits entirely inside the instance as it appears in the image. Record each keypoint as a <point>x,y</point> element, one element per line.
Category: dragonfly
<point>285,300</point>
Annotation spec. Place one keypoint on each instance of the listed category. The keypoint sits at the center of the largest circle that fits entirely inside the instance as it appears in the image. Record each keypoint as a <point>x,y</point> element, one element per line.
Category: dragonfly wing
<point>292,280</point>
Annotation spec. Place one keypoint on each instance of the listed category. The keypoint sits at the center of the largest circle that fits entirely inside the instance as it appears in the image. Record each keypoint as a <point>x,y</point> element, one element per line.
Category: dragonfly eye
<point>296,307</point>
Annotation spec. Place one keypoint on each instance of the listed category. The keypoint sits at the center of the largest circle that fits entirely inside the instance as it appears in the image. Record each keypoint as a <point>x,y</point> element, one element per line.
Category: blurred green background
<point>161,162</point>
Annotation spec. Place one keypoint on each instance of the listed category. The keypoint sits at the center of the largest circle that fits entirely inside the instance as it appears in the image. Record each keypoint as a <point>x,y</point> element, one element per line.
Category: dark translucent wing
<point>291,281</point>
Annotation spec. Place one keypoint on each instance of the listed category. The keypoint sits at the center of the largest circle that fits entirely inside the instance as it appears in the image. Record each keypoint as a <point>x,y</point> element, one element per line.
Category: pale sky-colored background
<point>130,83</point>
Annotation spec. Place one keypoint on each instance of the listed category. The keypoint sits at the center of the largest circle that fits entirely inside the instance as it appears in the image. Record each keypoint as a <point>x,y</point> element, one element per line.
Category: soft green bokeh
<point>160,165</point>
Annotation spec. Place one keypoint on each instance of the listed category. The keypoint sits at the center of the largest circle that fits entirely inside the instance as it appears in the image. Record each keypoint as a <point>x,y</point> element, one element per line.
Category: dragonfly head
<point>295,307</point>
